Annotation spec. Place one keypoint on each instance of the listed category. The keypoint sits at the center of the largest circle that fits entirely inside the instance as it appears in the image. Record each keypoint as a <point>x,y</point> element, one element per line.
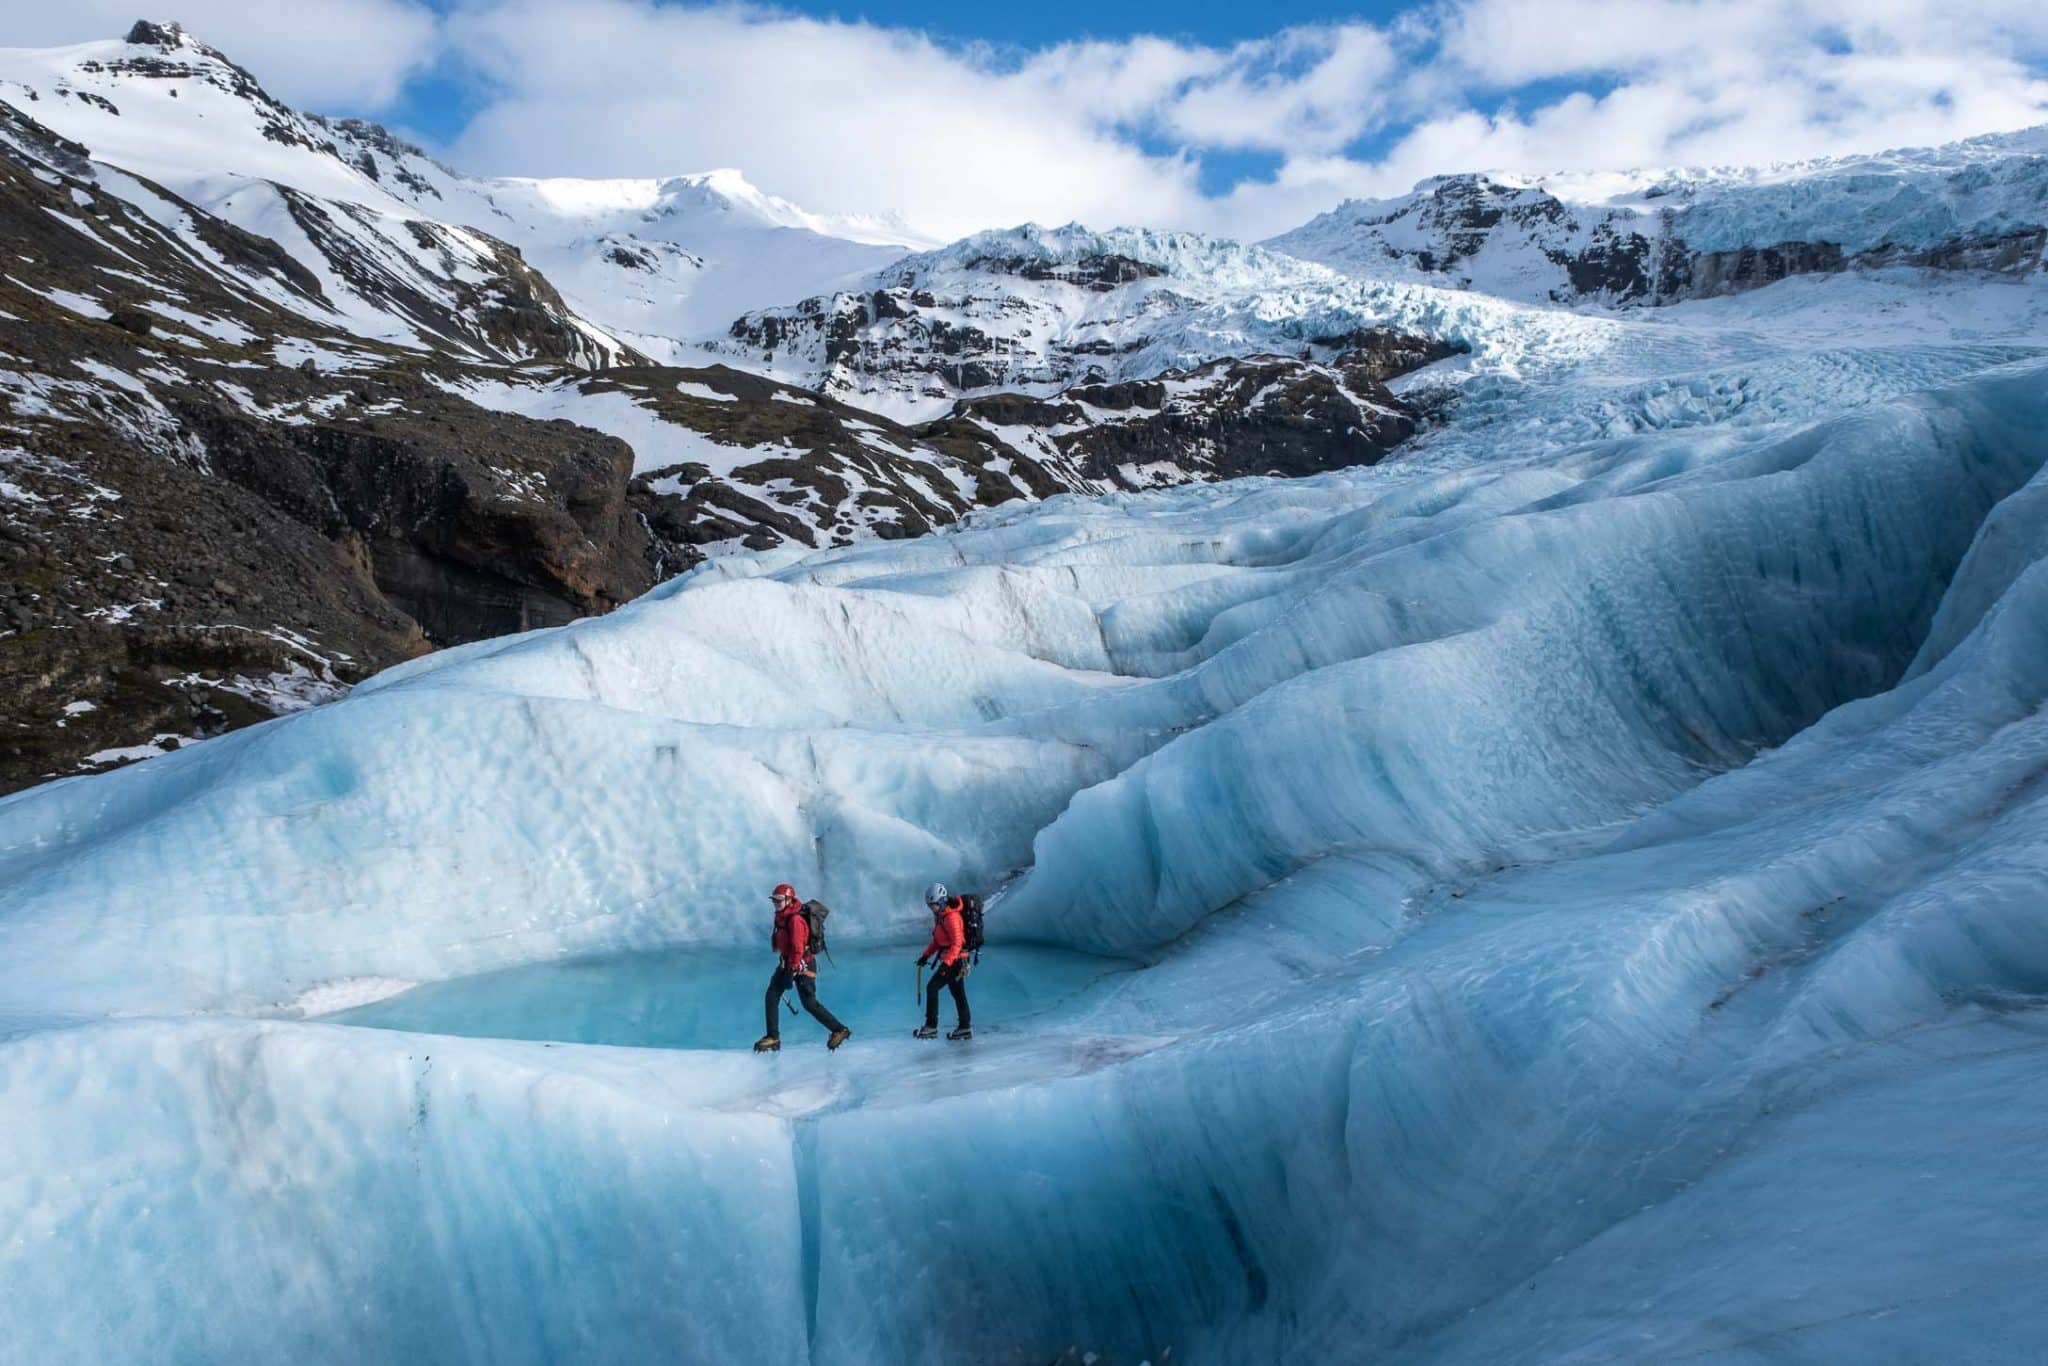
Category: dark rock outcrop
<point>473,523</point>
<point>145,33</point>
<point>1256,415</point>
<point>1099,271</point>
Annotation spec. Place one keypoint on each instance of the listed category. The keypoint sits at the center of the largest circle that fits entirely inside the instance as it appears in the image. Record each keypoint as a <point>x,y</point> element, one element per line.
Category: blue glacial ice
<point>1574,894</point>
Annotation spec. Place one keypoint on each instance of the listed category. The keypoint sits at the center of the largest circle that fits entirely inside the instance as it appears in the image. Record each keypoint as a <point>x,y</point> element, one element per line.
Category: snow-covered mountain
<point>662,262</point>
<point>1657,237</point>
<point>1037,310</point>
<point>198,129</point>
<point>656,260</point>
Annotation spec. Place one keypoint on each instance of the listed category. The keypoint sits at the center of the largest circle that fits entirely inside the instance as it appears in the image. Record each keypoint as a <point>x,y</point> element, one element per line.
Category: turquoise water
<point>711,998</point>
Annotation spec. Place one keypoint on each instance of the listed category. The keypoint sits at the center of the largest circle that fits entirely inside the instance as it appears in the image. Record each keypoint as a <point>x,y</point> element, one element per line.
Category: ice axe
<point>920,981</point>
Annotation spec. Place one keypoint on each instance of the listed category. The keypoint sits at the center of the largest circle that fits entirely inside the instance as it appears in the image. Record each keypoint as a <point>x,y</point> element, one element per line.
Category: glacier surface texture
<point>1574,892</point>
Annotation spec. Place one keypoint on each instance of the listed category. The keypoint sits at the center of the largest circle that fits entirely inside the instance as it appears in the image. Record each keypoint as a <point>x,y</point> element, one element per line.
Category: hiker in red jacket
<point>795,966</point>
<point>949,949</point>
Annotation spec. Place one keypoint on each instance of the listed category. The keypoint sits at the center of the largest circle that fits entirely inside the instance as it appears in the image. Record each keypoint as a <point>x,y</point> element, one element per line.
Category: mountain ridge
<point>1660,236</point>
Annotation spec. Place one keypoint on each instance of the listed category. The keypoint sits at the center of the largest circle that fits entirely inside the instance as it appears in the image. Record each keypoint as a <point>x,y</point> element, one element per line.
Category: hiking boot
<point>768,1043</point>
<point>925,1032</point>
<point>839,1036</point>
<point>963,1032</point>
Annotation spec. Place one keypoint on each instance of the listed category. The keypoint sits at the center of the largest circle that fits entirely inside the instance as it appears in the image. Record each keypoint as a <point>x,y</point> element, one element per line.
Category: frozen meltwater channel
<point>710,998</point>
<point>1565,895</point>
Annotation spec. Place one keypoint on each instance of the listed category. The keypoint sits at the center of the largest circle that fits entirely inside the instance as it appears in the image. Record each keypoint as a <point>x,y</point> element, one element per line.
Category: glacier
<point>1570,893</point>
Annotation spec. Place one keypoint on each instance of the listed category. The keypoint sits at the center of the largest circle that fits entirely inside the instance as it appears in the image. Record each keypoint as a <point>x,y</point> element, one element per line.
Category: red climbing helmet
<point>783,892</point>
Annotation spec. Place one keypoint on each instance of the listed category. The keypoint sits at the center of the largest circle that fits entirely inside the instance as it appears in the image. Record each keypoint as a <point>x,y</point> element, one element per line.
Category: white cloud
<point>847,117</point>
<point>840,117</point>
<point>1742,81</point>
<point>317,54</point>
<point>853,118</point>
<point>1304,91</point>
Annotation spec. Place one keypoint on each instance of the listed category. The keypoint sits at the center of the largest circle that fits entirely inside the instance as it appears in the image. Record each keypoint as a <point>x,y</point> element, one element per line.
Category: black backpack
<point>814,917</point>
<point>970,921</point>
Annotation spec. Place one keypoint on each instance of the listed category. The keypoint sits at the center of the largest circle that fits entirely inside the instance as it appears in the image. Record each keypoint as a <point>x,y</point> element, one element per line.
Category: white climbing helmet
<point>936,895</point>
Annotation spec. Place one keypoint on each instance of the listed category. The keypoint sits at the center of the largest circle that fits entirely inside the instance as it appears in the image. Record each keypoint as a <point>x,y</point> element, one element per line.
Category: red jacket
<point>792,939</point>
<point>949,934</point>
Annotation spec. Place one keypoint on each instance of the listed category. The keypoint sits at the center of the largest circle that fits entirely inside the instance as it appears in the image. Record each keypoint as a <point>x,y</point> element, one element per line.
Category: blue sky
<point>1231,118</point>
<point>439,101</point>
<point>1017,29</point>
<point>1056,21</point>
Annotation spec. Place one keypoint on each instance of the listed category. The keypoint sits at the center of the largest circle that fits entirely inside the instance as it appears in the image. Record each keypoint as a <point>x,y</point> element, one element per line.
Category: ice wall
<point>1594,650</point>
<point>229,1191</point>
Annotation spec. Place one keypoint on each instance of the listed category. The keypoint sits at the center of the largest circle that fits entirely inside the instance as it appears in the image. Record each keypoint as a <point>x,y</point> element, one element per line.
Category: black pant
<point>806,991</point>
<point>953,977</point>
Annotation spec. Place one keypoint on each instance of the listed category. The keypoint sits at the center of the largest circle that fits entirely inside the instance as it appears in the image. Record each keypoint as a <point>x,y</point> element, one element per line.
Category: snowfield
<point>1571,893</point>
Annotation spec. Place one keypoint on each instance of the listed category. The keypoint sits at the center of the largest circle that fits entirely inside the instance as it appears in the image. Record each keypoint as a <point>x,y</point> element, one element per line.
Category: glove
<point>924,962</point>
